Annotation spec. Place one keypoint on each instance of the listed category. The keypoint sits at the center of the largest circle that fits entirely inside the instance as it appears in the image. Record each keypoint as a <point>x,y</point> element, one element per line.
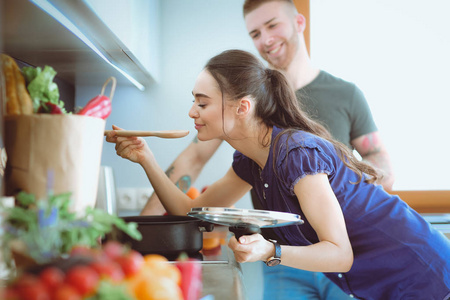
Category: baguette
<point>18,100</point>
<point>25,103</point>
<point>12,103</point>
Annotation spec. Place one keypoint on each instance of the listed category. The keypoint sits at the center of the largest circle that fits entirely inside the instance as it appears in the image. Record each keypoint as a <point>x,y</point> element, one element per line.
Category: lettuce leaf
<point>41,87</point>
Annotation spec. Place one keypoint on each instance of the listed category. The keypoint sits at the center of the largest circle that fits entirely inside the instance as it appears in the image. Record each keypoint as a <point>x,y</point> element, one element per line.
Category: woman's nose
<point>193,112</point>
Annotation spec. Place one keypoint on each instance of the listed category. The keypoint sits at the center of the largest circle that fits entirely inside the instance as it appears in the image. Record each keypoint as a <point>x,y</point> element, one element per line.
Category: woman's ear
<point>244,107</point>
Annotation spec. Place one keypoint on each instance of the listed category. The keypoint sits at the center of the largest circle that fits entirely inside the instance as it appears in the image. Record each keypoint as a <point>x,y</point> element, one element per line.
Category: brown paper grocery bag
<point>67,146</point>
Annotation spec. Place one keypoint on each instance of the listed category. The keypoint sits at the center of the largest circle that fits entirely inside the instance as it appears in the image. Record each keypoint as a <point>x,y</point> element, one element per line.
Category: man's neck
<point>300,71</point>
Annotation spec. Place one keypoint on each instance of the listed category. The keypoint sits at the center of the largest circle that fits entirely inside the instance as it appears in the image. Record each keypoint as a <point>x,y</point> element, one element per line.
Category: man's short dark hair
<point>250,5</point>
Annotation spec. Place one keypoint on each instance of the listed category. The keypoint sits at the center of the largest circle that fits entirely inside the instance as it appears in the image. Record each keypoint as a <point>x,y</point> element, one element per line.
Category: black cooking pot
<point>166,235</point>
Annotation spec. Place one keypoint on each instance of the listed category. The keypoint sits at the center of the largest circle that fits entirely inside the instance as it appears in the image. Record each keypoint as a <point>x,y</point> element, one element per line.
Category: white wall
<point>191,33</point>
<point>398,53</point>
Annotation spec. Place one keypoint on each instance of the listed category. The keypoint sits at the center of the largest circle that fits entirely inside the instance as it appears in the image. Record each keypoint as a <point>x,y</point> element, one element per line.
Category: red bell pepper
<point>191,277</point>
<point>100,106</point>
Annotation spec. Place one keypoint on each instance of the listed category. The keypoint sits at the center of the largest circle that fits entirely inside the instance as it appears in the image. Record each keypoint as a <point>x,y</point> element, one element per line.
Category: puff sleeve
<point>302,160</point>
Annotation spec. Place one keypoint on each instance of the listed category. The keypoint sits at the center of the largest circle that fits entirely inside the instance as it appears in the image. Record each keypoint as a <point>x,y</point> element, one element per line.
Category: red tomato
<point>35,291</point>
<point>66,292</point>
<point>83,278</point>
<point>130,262</point>
<point>109,269</point>
<point>52,277</point>
<point>113,249</point>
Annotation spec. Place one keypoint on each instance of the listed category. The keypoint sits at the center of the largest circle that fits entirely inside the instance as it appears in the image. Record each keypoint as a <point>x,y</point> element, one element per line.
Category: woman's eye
<point>199,104</point>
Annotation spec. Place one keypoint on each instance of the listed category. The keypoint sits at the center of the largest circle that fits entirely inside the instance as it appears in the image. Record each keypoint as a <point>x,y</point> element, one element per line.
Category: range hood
<point>33,36</point>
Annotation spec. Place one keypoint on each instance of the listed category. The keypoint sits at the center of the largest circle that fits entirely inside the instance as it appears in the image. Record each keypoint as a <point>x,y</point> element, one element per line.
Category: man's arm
<point>371,148</point>
<point>184,170</point>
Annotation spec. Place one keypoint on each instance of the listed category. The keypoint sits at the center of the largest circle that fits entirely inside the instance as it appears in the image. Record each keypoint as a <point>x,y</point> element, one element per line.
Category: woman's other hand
<point>132,148</point>
<point>251,248</point>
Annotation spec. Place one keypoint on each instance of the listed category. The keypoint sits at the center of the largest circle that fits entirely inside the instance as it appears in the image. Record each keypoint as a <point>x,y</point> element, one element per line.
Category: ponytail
<point>239,74</point>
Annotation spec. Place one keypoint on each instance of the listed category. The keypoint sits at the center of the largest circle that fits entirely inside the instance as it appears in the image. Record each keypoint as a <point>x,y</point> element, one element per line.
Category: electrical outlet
<point>127,198</point>
<point>142,195</point>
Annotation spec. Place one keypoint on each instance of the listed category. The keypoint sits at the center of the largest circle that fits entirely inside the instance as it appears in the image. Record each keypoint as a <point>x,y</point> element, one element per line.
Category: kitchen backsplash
<point>132,199</point>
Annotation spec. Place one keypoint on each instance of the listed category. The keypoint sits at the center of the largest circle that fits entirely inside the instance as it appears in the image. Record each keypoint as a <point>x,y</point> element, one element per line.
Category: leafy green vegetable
<point>49,229</point>
<point>41,87</point>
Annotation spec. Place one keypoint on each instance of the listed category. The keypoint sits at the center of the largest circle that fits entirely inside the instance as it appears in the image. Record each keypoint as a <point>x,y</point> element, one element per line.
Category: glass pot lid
<point>235,216</point>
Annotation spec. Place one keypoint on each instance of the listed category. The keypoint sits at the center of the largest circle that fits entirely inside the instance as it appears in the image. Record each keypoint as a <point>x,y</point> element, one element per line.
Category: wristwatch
<point>276,259</point>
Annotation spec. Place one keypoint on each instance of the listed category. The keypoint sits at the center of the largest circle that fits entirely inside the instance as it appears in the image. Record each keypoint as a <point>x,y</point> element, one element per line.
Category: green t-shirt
<point>338,105</point>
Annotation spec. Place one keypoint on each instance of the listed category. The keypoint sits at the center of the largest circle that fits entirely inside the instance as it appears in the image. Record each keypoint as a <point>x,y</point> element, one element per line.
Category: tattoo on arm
<point>169,171</point>
<point>370,144</point>
<point>184,183</point>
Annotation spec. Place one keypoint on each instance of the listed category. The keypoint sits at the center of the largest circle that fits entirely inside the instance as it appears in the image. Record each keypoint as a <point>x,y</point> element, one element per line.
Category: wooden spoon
<point>167,134</point>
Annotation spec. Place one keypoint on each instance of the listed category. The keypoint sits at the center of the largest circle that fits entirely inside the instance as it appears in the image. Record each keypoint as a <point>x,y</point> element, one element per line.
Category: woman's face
<point>207,109</point>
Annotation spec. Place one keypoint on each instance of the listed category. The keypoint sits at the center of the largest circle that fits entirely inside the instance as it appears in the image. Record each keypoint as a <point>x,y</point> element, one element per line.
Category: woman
<point>370,243</point>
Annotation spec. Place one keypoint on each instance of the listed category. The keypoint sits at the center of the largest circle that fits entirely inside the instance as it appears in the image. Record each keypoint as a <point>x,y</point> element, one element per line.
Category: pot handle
<point>241,229</point>
<point>205,226</point>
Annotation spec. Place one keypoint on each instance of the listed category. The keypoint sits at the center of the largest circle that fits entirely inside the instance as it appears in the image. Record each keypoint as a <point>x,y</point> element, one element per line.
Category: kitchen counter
<point>223,280</point>
<point>222,275</point>
<point>439,221</point>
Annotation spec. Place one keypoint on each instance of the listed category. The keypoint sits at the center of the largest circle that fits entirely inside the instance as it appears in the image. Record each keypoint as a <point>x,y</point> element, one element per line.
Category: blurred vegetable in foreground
<point>45,229</point>
<point>191,277</point>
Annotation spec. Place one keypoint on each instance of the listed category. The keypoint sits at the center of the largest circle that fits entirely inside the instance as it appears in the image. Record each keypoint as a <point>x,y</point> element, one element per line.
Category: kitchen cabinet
<point>303,8</point>
<point>433,205</point>
<point>136,24</point>
<point>433,201</point>
<point>79,45</point>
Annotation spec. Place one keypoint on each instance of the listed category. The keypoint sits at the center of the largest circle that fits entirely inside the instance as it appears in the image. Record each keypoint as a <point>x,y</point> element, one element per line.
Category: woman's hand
<point>132,148</point>
<point>251,248</point>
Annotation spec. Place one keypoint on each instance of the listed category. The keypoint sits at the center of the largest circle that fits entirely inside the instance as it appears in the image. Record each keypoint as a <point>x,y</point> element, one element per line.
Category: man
<point>276,29</point>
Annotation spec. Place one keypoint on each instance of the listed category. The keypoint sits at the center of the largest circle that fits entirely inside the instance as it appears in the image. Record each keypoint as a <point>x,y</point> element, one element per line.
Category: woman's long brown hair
<point>240,74</point>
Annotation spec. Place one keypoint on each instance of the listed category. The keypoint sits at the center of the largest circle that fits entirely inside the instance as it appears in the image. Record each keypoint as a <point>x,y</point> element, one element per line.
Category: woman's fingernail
<point>242,240</point>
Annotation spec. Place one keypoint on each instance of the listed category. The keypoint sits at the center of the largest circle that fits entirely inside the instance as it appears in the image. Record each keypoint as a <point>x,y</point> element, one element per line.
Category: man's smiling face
<point>272,29</point>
